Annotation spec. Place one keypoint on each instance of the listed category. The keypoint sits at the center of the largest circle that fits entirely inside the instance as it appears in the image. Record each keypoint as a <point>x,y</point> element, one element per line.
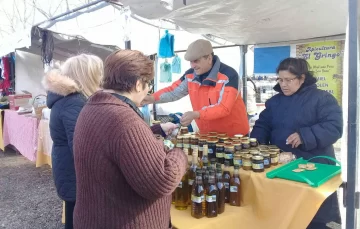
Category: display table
<point>266,203</point>
<point>2,147</point>
<point>21,131</point>
<point>43,155</point>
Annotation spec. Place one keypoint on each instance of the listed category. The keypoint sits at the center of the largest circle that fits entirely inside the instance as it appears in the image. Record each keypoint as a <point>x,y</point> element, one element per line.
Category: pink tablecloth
<point>22,132</point>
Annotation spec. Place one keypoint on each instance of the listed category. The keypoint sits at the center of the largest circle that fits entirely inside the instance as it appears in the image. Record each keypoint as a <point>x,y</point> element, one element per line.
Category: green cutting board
<point>314,178</point>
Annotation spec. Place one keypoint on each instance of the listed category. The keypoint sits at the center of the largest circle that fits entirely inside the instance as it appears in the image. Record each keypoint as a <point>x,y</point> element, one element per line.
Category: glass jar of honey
<point>274,158</point>
<point>258,164</point>
<point>253,142</point>
<point>246,162</point>
<point>220,153</point>
<point>237,146</point>
<point>184,130</point>
<point>238,158</point>
<point>212,148</point>
<point>245,144</point>
<point>267,160</point>
<point>186,142</point>
<point>229,154</point>
<point>202,141</point>
<point>179,142</point>
<point>194,142</point>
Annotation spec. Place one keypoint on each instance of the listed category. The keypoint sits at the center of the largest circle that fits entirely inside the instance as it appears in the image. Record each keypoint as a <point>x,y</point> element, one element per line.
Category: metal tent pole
<point>352,118</point>
<point>243,51</point>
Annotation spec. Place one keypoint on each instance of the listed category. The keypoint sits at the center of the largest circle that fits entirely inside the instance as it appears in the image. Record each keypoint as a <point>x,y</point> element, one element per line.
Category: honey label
<point>238,162</point>
<point>233,189</point>
<point>274,159</point>
<point>180,185</point>
<point>228,156</point>
<point>258,166</point>
<point>219,155</point>
<point>186,146</point>
<point>197,199</point>
<point>211,198</point>
<point>266,162</point>
<point>201,148</point>
<point>191,181</point>
<point>246,163</point>
<point>211,151</point>
<point>226,185</point>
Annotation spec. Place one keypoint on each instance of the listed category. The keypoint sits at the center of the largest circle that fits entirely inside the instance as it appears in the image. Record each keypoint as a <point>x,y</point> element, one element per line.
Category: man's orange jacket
<point>215,96</point>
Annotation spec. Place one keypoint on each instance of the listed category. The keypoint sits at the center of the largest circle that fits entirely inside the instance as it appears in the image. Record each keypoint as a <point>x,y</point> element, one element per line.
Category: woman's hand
<point>168,127</point>
<point>294,140</point>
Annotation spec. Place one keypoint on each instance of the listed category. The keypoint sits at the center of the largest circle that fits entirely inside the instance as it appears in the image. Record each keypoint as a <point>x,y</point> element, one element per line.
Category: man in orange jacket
<point>213,90</point>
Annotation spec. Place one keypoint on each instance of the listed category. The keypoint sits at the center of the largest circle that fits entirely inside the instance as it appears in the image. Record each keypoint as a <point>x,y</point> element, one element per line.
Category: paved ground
<point>28,198</point>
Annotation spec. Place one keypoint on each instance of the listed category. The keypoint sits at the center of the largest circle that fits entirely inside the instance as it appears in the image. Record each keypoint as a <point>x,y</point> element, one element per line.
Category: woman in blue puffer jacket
<point>304,120</point>
<point>67,91</point>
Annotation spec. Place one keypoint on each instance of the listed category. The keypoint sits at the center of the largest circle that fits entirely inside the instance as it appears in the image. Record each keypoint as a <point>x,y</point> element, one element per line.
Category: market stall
<point>265,203</point>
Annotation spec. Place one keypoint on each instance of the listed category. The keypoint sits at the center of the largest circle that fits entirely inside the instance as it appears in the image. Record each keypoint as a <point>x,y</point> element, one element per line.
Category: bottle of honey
<point>192,171</point>
<point>204,162</point>
<point>235,187</point>
<point>211,196</point>
<point>198,197</point>
<point>182,192</point>
<point>226,180</point>
<point>221,191</point>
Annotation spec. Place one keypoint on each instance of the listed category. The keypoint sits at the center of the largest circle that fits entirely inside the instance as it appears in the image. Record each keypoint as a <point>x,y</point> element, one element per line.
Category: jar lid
<point>245,141</point>
<point>203,139</point>
<point>212,140</point>
<point>245,138</point>
<point>247,156</point>
<point>194,137</point>
<point>236,143</point>
<point>238,135</point>
<point>253,140</point>
<point>273,153</point>
<point>183,128</point>
<point>258,158</point>
<point>180,137</point>
<point>273,147</point>
<point>212,133</point>
<point>222,134</point>
<point>234,139</point>
<point>265,154</point>
<point>229,146</point>
<point>224,138</point>
<point>220,144</point>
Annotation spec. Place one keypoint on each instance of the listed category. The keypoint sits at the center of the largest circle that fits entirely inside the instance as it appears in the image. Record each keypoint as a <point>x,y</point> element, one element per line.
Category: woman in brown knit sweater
<point>124,175</point>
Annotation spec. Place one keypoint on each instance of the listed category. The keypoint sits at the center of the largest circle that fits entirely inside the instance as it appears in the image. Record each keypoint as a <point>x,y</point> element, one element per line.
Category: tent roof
<point>66,46</point>
<point>251,22</point>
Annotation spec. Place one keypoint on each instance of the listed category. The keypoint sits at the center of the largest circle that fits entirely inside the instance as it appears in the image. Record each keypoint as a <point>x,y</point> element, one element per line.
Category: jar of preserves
<point>246,162</point>
<point>179,142</point>
<point>202,141</point>
<point>258,164</point>
<point>238,158</point>
<point>274,158</point>
<point>220,153</point>
<point>267,160</point>
<point>223,139</point>
<point>239,136</point>
<point>245,144</point>
<point>254,152</point>
<point>237,146</point>
<point>194,142</point>
<point>184,130</point>
<point>186,142</point>
<point>253,142</point>
<point>229,154</point>
<point>212,148</point>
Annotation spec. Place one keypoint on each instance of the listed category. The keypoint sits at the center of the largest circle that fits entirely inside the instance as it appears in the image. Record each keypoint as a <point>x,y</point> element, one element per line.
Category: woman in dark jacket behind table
<point>68,89</point>
<point>125,176</point>
<point>304,120</point>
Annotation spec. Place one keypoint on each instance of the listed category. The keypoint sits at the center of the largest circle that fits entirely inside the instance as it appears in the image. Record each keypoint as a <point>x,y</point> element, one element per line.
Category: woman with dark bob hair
<point>304,120</point>
<point>125,176</point>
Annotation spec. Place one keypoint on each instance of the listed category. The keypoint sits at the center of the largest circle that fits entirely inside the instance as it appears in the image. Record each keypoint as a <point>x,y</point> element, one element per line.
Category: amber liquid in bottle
<point>204,162</point>
<point>181,193</point>
<point>235,187</point>
<point>226,180</point>
<point>211,197</point>
<point>192,171</point>
<point>221,191</point>
<point>198,197</point>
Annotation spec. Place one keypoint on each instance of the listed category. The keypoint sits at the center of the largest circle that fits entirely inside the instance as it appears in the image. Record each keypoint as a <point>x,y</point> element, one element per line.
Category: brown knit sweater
<point>124,176</point>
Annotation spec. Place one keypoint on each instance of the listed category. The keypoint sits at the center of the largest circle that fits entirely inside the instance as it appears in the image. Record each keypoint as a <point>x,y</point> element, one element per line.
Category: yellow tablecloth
<point>43,154</point>
<point>266,204</point>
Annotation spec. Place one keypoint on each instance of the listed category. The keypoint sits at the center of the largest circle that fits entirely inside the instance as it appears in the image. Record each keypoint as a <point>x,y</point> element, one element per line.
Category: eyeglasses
<point>285,81</point>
